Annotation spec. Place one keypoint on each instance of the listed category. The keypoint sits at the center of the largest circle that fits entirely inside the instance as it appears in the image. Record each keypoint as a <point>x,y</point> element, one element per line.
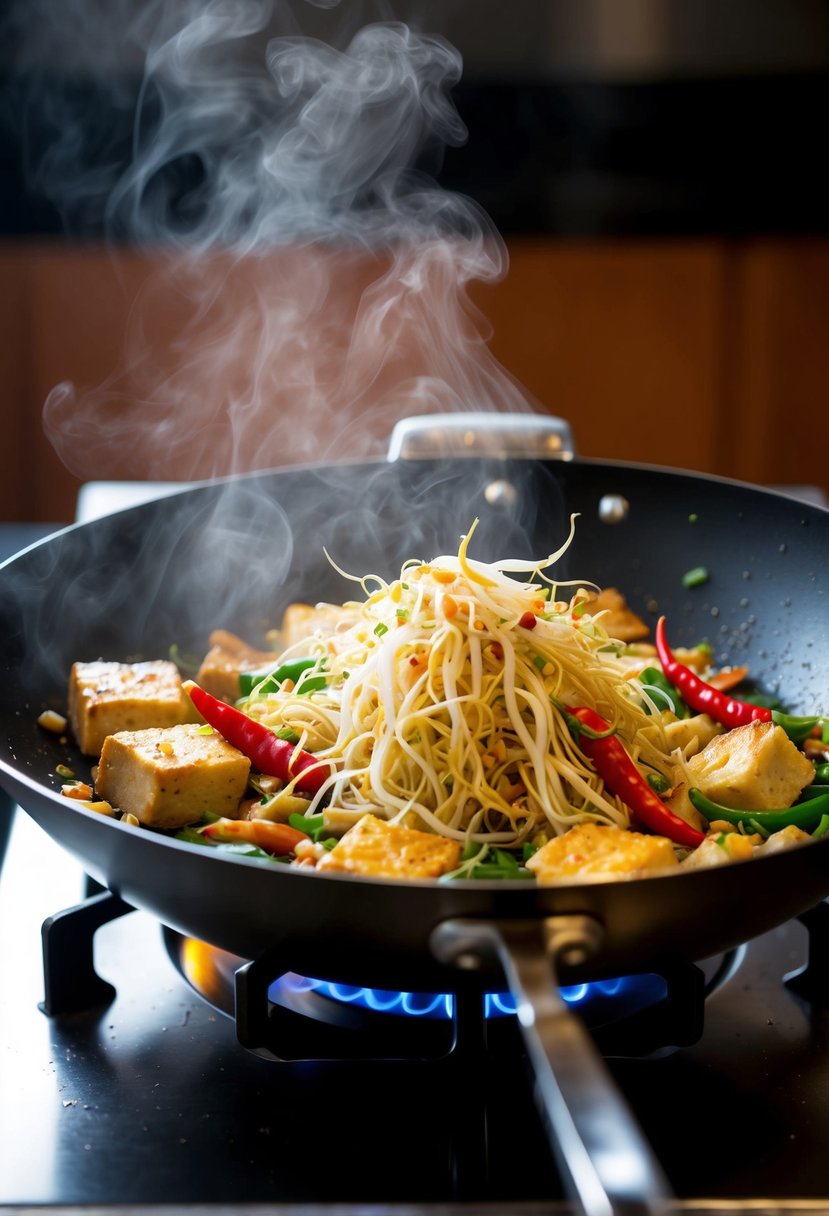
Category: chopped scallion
<point>695,577</point>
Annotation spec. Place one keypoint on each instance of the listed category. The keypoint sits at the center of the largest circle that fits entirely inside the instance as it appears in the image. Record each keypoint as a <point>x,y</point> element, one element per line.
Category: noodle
<point>441,709</point>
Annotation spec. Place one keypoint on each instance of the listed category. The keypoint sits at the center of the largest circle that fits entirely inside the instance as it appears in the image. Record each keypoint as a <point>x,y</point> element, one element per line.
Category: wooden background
<point>710,355</point>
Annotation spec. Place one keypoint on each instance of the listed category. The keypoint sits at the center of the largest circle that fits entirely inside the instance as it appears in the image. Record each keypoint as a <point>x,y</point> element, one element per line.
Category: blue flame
<point>642,988</point>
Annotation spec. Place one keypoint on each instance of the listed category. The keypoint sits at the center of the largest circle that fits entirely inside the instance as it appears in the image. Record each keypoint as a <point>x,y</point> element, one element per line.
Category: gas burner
<point>628,1016</point>
<point>284,1016</point>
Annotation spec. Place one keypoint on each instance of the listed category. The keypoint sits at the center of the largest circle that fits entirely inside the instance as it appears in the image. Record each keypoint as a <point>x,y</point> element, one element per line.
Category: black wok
<point>235,553</point>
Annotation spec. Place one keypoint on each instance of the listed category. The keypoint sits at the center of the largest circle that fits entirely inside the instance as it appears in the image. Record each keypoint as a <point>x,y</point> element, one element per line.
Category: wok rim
<point>593,462</point>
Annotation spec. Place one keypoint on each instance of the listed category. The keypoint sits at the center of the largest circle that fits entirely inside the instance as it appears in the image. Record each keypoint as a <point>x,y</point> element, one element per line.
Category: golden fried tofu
<point>786,838</point>
<point>227,657</point>
<point>619,620</point>
<point>721,848</point>
<point>754,767</point>
<point>107,697</point>
<point>592,850</point>
<point>692,734</point>
<point>377,849</point>
<point>172,776</point>
<point>302,621</point>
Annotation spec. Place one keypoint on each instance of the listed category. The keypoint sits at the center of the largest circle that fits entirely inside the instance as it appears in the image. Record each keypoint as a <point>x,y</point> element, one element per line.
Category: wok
<point>235,552</point>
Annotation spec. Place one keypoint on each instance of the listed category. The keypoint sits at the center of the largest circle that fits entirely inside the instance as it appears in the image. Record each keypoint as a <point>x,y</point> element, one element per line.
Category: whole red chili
<point>719,705</point>
<point>621,776</point>
<point>265,750</point>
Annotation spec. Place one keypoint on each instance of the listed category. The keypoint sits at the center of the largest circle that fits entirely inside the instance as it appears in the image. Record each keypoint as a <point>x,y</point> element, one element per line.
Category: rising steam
<point>305,283</point>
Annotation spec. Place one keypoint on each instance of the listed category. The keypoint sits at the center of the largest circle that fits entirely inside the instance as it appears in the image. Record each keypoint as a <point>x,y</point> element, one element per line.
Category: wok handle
<point>477,434</point>
<point>607,1164</point>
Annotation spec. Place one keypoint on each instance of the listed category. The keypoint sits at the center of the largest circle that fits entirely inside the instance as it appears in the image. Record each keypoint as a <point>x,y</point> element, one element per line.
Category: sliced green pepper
<point>498,864</point>
<point>655,680</point>
<point>270,678</point>
<point>804,815</point>
<point>795,727</point>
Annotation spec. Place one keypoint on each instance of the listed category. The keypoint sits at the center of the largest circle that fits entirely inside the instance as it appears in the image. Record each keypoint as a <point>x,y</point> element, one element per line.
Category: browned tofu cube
<point>619,620</point>
<point>173,776</point>
<point>755,766</point>
<point>590,851</point>
<point>303,621</point>
<point>108,697</point>
<point>227,657</point>
<point>378,849</point>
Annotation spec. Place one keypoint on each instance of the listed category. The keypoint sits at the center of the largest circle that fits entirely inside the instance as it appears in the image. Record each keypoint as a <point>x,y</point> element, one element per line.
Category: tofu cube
<point>720,850</point>
<point>227,657</point>
<point>691,735</point>
<point>724,847</point>
<point>172,776</point>
<point>302,621</point>
<point>619,620</point>
<point>378,849</point>
<point>105,698</point>
<point>754,767</point>
<point>591,850</point>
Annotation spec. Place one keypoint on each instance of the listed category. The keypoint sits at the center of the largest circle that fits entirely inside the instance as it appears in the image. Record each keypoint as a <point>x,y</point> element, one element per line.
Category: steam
<point>305,282</point>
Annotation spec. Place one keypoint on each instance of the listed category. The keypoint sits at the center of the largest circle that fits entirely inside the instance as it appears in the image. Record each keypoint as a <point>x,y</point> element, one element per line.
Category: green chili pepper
<point>822,828</point>
<point>811,791</point>
<point>822,772</point>
<point>269,679</point>
<point>658,783</point>
<point>805,815</point>
<point>796,728</point>
<point>655,681</point>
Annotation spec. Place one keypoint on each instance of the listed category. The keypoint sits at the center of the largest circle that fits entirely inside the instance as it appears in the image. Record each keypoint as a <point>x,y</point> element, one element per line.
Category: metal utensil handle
<point>607,1163</point>
<point>478,434</point>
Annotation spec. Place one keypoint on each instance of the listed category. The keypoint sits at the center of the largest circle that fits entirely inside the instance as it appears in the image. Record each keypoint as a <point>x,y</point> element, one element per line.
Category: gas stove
<point>148,1098</point>
<point>125,1082</point>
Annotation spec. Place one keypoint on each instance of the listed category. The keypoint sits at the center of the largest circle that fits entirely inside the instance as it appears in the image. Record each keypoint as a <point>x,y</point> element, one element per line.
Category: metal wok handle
<point>609,1166</point>
<point>477,434</point>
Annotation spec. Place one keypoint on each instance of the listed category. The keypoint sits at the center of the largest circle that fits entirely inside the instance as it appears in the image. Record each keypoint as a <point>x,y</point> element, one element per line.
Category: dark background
<point>585,117</point>
<point>655,168</point>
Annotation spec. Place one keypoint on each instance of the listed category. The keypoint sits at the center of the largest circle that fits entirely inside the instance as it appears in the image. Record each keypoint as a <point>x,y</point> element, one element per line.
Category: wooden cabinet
<point>700,354</point>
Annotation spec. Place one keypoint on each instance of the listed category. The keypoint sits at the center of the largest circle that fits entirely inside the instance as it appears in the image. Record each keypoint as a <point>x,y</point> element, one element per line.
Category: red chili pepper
<point>717,704</point>
<point>528,621</point>
<point>265,750</point>
<point>701,696</point>
<point>621,776</point>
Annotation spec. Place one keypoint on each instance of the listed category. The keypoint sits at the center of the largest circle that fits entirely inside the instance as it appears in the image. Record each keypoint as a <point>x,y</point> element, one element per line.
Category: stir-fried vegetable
<point>598,741</point>
<point>263,748</point>
<point>468,720</point>
<point>723,708</point>
<point>806,815</point>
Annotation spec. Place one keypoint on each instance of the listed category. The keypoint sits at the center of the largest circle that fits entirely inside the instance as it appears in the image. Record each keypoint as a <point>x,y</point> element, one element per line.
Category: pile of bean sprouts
<point>443,702</point>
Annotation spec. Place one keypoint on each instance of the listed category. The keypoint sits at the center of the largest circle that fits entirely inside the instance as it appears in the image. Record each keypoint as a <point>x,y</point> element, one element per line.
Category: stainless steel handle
<point>605,1160</point>
<point>477,434</point>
